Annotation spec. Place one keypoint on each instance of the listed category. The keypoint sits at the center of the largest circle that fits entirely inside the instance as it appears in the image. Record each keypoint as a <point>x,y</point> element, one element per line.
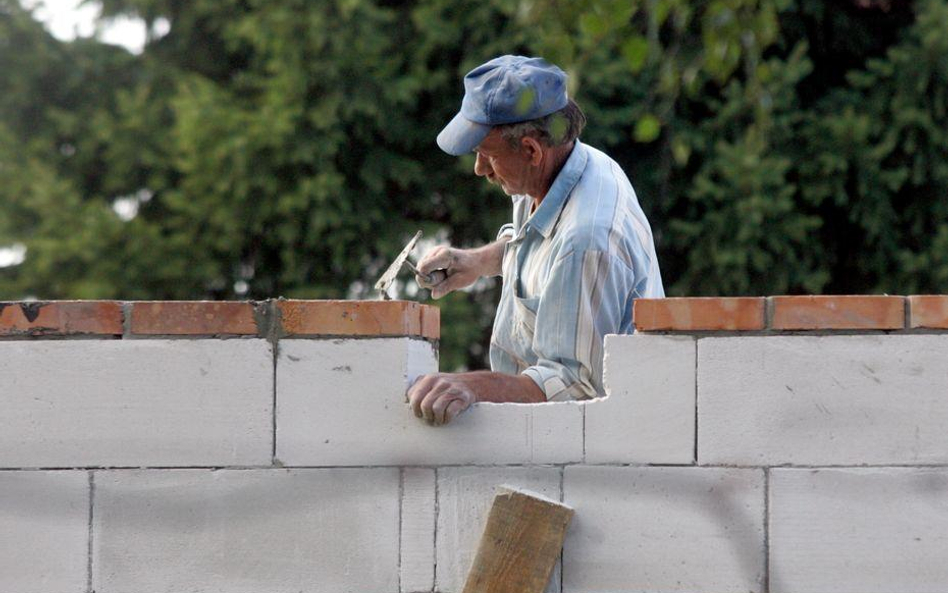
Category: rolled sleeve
<point>557,382</point>
<point>506,232</point>
<point>584,299</point>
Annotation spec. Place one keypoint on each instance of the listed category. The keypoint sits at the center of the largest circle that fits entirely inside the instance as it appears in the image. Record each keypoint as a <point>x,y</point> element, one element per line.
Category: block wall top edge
<point>272,317</point>
<point>791,313</point>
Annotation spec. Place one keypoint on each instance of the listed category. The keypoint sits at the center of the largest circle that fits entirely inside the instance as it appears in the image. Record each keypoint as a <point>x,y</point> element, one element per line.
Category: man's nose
<point>481,166</point>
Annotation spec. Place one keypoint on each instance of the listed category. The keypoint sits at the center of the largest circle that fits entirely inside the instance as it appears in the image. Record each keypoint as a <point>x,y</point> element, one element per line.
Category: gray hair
<point>556,129</point>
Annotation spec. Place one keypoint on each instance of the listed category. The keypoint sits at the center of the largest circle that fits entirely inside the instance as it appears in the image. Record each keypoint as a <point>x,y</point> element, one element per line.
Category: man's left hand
<point>440,397</point>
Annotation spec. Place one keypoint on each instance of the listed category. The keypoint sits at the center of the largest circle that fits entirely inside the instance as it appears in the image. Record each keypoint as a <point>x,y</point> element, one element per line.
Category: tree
<point>265,149</point>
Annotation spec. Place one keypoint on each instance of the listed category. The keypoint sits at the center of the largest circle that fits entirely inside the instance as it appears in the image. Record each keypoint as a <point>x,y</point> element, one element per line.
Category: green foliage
<point>778,146</point>
<point>881,167</point>
<point>287,148</point>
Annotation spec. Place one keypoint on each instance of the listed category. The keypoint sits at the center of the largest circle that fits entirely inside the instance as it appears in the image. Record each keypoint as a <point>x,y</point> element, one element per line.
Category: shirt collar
<point>548,213</point>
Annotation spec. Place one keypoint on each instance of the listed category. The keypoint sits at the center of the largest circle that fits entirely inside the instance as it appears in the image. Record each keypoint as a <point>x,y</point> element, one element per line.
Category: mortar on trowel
<point>431,279</point>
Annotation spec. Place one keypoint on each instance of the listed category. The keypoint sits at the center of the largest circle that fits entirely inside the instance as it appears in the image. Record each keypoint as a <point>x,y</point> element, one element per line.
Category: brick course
<point>214,318</point>
<point>312,318</point>
<point>928,311</point>
<point>838,312</point>
<point>359,318</point>
<point>193,317</point>
<point>823,313</point>
<point>60,318</point>
<point>702,313</point>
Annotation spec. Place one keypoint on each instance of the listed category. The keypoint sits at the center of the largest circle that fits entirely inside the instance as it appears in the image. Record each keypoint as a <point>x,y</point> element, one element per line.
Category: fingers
<point>437,283</point>
<point>437,276</point>
<point>431,280</point>
<point>417,392</point>
<point>439,258</point>
<point>449,284</point>
<point>437,400</point>
<point>428,404</point>
<point>448,269</point>
<point>433,269</point>
<point>454,408</point>
<point>449,404</point>
<point>423,396</point>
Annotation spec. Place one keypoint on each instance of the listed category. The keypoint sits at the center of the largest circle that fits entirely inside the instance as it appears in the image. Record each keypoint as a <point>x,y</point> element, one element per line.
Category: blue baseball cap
<point>505,90</point>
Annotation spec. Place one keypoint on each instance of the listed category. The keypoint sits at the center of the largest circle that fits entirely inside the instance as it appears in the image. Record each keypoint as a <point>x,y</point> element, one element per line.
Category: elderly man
<point>578,252</point>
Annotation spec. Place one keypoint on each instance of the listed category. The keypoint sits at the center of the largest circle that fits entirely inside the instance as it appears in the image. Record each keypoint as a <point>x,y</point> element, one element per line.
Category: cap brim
<point>461,135</point>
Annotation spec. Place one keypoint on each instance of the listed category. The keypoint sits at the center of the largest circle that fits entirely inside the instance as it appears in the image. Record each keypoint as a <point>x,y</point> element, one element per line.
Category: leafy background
<point>265,149</point>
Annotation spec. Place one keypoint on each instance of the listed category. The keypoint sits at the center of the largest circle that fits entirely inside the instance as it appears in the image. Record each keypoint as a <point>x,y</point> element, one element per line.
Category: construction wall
<point>790,444</point>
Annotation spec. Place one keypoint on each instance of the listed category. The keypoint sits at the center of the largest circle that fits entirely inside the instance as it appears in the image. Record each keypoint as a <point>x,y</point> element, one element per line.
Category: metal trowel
<point>435,277</point>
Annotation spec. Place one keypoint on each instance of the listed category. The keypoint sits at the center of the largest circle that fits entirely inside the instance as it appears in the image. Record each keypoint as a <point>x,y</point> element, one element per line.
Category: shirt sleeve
<point>585,298</point>
<point>506,231</point>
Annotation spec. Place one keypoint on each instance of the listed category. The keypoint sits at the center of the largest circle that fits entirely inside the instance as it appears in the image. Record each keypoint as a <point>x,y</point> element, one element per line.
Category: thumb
<point>438,258</point>
<point>449,284</point>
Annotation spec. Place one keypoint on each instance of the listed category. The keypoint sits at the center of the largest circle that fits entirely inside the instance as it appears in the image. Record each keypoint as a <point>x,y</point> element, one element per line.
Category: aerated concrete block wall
<point>789,444</point>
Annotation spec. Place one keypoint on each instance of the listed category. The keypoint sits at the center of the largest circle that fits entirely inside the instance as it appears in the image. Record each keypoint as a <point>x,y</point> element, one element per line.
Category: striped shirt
<point>570,273</point>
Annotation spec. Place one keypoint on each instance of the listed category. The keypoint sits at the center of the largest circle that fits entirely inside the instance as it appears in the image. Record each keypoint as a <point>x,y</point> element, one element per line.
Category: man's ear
<point>533,149</point>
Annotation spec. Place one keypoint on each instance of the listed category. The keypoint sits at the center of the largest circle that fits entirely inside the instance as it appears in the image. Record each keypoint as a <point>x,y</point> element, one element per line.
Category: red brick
<point>928,311</point>
<point>699,314</point>
<point>193,318</point>
<point>838,312</point>
<point>430,322</point>
<point>359,318</point>
<point>61,318</point>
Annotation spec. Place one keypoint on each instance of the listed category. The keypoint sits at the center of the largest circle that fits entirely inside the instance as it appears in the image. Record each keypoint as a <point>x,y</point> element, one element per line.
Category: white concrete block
<point>649,415</point>
<point>873,530</point>
<point>670,529</point>
<point>246,531</point>
<point>418,529</point>
<point>465,496</point>
<point>44,531</point>
<point>86,403</point>
<point>342,402</point>
<point>823,400</point>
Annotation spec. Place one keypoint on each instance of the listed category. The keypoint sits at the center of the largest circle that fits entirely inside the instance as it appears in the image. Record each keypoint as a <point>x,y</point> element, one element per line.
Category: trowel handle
<point>431,278</point>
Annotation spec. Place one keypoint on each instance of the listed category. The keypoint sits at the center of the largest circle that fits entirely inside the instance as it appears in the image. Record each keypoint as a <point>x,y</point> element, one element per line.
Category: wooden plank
<point>521,543</point>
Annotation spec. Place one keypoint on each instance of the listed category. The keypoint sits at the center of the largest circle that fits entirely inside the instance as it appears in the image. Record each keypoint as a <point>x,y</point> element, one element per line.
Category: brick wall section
<point>267,319</point>
<point>791,313</point>
<point>281,317</point>
<point>781,445</point>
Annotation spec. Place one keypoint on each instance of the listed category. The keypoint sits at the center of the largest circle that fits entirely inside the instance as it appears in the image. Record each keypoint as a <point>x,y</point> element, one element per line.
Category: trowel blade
<point>389,276</point>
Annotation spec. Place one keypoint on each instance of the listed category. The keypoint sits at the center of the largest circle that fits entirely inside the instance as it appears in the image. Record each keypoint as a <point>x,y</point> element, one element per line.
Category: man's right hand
<point>462,266</point>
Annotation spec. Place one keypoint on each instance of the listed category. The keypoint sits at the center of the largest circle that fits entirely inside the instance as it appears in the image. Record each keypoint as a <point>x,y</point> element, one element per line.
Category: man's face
<point>502,164</point>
